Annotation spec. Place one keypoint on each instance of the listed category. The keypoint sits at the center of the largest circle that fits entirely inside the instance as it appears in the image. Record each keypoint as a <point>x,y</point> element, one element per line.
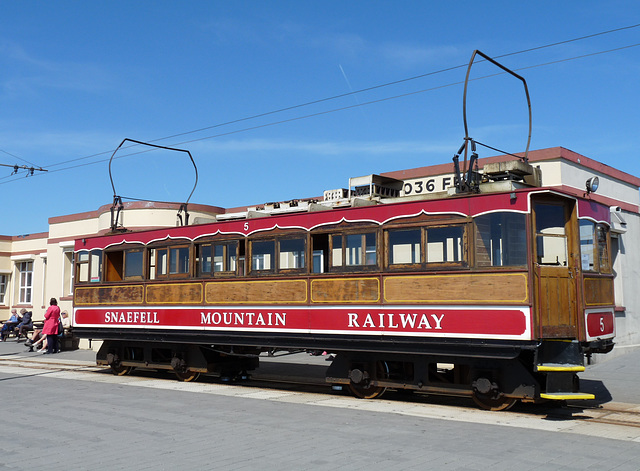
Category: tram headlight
<point>592,184</point>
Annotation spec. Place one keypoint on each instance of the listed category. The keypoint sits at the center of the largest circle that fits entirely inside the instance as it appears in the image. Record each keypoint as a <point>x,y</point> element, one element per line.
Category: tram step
<point>559,367</point>
<point>564,396</point>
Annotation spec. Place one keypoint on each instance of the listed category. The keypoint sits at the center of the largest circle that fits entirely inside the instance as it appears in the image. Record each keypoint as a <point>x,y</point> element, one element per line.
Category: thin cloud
<point>27,74</point>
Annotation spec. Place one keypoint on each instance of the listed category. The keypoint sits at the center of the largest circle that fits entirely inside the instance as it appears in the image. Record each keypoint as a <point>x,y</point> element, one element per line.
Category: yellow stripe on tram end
<point>567,396</point>
<point>559,368</point>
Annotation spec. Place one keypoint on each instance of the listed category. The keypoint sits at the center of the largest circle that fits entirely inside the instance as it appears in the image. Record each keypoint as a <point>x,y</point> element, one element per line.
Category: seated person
<point>25,325</point>
<point>8,326</point>
<point>37,340</point>
<point>66,323</point>
<point>64,318</point>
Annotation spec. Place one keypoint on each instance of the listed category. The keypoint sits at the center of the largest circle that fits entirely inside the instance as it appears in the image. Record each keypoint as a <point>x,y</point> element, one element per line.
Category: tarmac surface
<point>69,414</point>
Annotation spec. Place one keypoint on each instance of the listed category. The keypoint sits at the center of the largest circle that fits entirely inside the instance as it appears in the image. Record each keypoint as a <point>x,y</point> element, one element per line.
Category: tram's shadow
<point>309,376</point>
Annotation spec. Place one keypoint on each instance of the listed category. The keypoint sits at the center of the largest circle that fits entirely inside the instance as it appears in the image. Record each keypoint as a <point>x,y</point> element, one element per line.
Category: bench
<point>67,342</point>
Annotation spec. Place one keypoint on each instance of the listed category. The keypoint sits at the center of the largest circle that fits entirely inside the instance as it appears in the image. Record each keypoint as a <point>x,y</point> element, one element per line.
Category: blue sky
<point>77,77</point>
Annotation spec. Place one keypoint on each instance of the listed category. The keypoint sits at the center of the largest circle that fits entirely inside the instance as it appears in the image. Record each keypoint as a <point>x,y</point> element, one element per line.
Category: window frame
<point>25,282</point>
<point>125,262</point>
<point>4,283</point>
<point>226,272</point>
<point>600,247</point>
<point>79,263</point>
<point>505,254</point>
<point>276,268</point>
<point>153,264</point>
<point>540,237</point>
<point>425,264</point>
<point>344,236</point>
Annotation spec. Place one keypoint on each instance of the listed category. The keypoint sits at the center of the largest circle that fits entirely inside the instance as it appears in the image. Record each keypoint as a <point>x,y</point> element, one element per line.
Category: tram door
<point>556,268</point>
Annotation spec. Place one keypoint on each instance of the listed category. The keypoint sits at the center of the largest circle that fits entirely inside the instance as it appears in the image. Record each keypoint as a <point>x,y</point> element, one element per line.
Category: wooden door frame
<point>573,273</point>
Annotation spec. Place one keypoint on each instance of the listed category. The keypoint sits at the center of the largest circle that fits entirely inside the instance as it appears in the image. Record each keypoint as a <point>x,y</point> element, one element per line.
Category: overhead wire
<point>344,108</point>
<point>335,97</point>
<point>362,90</point>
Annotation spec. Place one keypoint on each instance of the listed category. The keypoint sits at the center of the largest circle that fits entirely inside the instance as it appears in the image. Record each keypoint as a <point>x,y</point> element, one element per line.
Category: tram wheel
<point>187,376</point>
<point>363,390</point>
<point>493,404</point>
<point>120,370</point>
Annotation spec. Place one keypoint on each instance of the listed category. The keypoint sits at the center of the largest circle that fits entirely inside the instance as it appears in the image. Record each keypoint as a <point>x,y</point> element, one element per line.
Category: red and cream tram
<point>497,295</point>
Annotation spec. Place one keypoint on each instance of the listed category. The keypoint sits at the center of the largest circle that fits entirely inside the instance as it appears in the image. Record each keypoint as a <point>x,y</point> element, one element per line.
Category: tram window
<point>404,246</point>
<point>225,256</point>
<point>82,263</point>
<point>89,266</point>
<point>336,250</point>
<point>292,253</point>
<point>318,261</point>
<point>204,259</point>
<point>95,266</point>
<point>501,240</point>
<point>360,249</point>
<point>263,255</point>
<point>551,240</point>
<point>594,248</point>
<point>178,260</point>
<point>162,261</point>
<point>587,245</point>
<point>114,262</point>
<point>445,244</point>
<point>241,258</point>
<point>320,247</point>
<point>170,261</point>
<point>133,264</point>
<point>353,250</point>
<point>603,248</point>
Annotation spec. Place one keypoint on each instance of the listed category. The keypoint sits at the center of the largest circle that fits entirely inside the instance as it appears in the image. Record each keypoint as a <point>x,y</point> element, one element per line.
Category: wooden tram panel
<point>598,290</point>
<point>256,292</point>
<point>345,290</point>
<point>109,295</point>
<point>395,289</point>
<point>476,288</point>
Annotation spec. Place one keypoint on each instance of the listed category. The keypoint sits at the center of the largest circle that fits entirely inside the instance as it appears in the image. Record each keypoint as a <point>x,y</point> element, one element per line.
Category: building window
<point>67,277</point>
<point>25,270</point>
<point>3,288</point>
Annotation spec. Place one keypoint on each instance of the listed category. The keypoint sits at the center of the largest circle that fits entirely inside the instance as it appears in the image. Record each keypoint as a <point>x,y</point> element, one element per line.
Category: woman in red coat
<point>51,326</point>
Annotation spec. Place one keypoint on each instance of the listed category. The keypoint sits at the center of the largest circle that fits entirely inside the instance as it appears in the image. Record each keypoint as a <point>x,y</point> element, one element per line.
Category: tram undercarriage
<point>187,361</point>
<point>494,381</point>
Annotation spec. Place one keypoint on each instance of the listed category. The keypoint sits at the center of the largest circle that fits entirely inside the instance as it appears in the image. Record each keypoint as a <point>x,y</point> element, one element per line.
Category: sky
<point>282,100</point>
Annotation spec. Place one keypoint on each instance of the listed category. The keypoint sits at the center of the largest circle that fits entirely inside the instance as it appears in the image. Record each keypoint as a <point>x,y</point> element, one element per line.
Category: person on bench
<point>8,326</point>
<point>25,325</point>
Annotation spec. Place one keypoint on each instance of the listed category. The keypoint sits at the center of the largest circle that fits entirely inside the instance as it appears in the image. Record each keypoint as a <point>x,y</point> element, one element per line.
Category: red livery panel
<point>600,323</point>
<point>485,322</point>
